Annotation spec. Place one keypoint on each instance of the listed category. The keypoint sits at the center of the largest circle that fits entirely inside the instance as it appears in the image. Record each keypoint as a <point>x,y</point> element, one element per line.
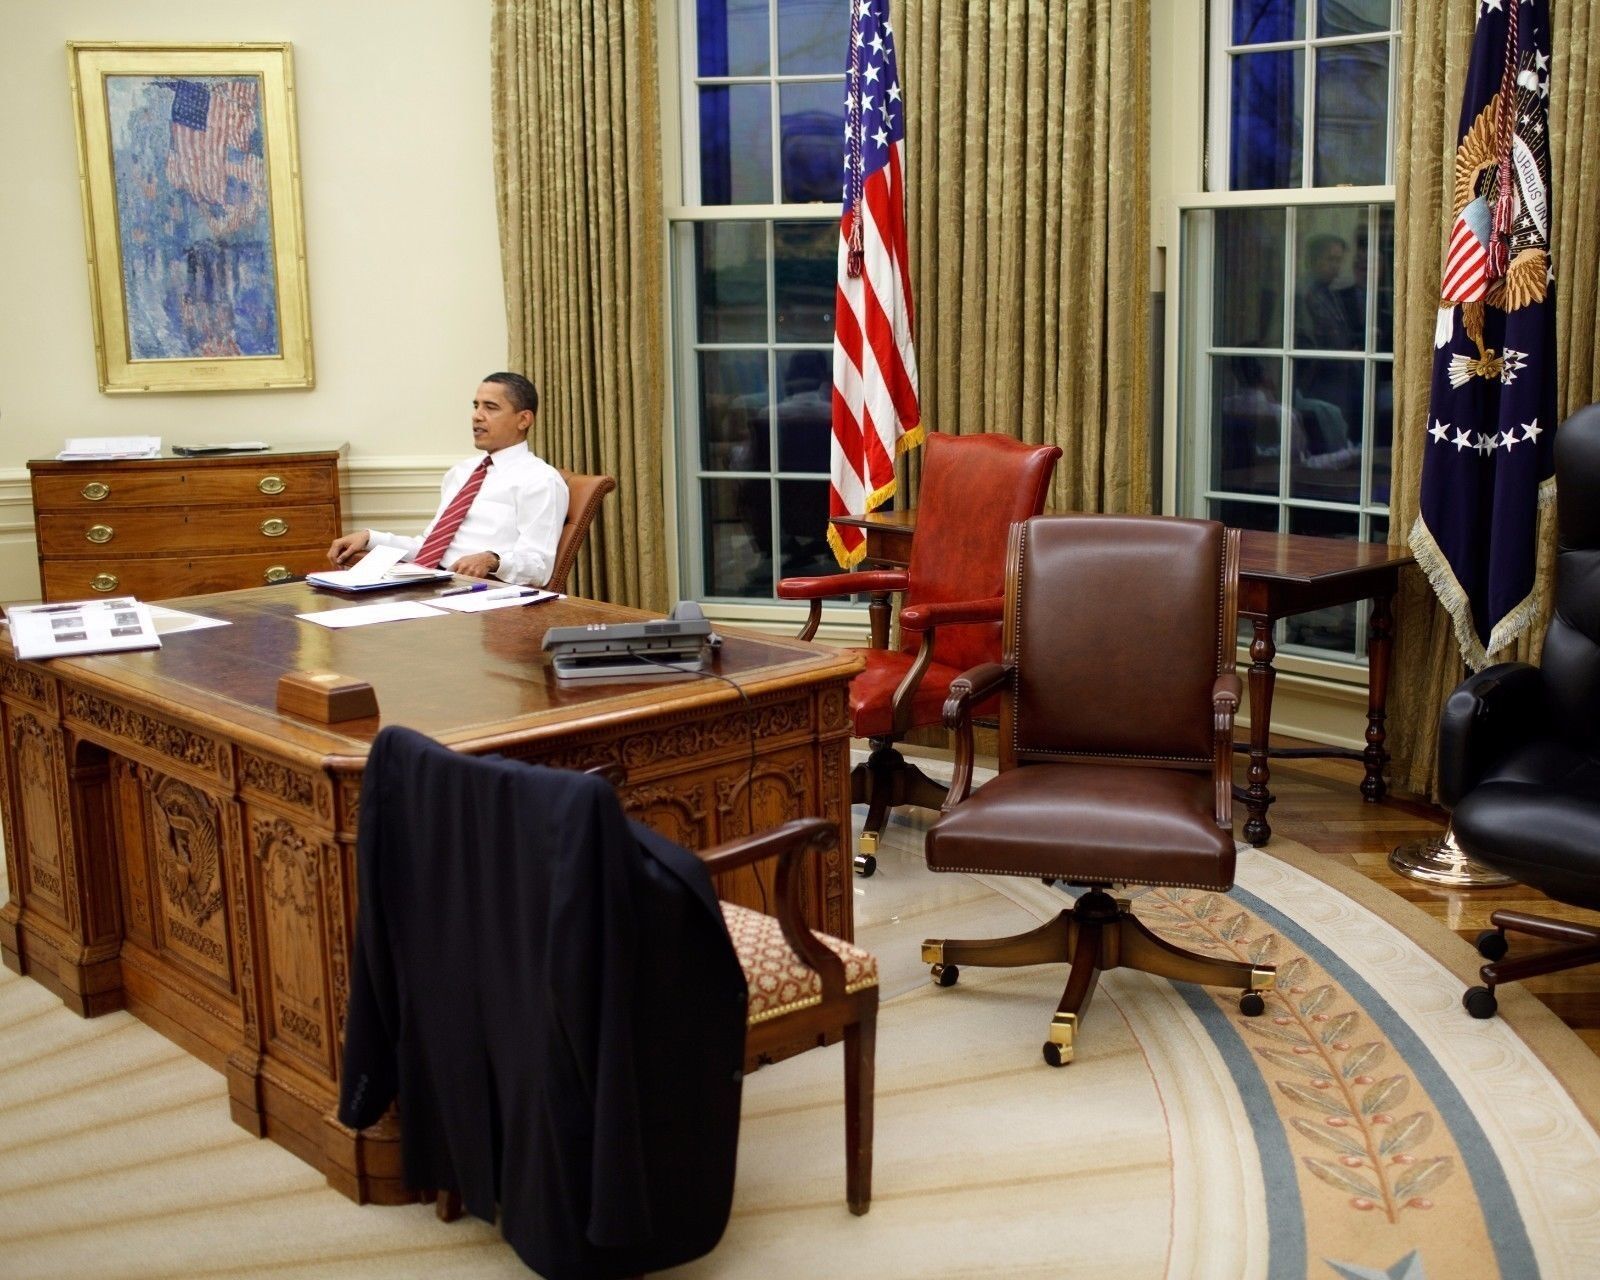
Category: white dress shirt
<point>517,514</point>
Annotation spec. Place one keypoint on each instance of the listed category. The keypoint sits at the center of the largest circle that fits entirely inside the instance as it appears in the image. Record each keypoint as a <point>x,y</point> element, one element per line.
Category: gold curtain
<point>1028,215</point>
<point>577,158</point>
<point>1436,46</point>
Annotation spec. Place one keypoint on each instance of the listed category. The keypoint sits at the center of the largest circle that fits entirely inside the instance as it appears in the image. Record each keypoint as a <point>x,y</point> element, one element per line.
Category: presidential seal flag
<point>875,410</point>
<point>1488,465</point>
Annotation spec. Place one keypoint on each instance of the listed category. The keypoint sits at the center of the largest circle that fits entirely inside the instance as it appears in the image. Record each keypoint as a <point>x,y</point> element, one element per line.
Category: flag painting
<point>1488,466</point>
<point>875,406</point>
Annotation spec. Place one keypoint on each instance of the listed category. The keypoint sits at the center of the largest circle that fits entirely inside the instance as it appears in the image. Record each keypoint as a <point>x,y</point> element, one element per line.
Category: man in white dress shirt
<point>511,528</point>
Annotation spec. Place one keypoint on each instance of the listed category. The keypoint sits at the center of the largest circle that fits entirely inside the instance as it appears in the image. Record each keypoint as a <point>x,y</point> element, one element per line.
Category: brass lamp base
<point>1443,862</point>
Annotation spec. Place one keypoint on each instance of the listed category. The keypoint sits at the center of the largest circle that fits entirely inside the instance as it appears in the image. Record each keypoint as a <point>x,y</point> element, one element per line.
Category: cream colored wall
<point>401,244</point>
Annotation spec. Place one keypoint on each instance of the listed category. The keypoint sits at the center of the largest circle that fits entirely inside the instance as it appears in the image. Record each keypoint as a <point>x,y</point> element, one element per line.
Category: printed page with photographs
<point>81,626</point>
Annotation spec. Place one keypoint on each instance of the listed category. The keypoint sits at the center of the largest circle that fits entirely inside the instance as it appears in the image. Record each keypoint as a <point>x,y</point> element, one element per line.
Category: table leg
<point>1257,830</point>
<point>1380,644</point>
<point>878,618</point>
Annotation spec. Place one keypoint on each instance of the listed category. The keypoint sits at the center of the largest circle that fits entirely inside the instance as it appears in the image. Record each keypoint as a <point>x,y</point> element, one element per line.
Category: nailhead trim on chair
<point>1054,873</point>
<point>779,982</point>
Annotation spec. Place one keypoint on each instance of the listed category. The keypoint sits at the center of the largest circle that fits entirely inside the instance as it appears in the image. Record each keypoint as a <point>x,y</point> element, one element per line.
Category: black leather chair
<point>1519,746</point>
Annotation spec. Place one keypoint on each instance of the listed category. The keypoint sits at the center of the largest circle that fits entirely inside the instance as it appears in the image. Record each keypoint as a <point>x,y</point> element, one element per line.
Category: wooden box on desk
<point>161,527</point>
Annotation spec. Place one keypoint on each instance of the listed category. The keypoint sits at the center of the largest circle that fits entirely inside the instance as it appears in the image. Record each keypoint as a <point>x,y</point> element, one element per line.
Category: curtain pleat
<point>1028,214</point>
<point>577,155</point>
<point>1435,48</point>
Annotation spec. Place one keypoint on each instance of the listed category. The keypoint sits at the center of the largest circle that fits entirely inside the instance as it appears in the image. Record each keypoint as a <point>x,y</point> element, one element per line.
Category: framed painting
<point>190,179</point>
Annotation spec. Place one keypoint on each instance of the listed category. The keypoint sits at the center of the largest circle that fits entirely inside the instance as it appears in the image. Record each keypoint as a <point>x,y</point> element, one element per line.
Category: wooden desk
<point>178,848</point>
<point>1279,575</point>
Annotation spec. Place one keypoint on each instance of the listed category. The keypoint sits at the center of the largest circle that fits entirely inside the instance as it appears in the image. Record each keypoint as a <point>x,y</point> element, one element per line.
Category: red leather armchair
<point>1118,692</point>
<point>974,488</point>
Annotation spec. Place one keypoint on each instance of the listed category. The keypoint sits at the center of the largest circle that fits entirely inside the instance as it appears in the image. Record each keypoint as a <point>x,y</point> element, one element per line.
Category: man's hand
<point>344,548</point>
<point>480,565</point>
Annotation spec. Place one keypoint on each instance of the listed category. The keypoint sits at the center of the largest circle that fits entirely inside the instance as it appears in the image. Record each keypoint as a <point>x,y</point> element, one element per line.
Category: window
<point>1286,285</point>
<point>754,252</point>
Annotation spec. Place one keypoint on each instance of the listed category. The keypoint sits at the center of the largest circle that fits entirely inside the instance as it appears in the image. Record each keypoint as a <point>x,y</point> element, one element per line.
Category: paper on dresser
<point>106,448</point>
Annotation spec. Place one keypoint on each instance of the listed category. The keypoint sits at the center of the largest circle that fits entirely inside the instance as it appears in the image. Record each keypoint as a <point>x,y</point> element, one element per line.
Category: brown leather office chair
<point>584,494</point>
<point>973,489</point>
<point>1118,692</point>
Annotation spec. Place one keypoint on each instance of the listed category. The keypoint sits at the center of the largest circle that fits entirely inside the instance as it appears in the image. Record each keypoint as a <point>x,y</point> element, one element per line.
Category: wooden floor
<point>1319,806</point>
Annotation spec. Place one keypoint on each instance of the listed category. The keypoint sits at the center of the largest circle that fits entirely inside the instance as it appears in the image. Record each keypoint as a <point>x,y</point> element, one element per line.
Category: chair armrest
<point>788,843</point>
<point>843,584</point>
<point>1225,693</point>
<point>872,581</point>
<point>1486,714</point>
<point>967,690</point>
<point>945,613</point>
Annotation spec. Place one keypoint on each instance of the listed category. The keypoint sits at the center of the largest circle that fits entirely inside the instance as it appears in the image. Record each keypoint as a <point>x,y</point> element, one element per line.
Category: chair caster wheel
<point>1491,944</point>
<point>1479,1002</point>
<point>1054,1056</point>
<point>865,864</point>
<point>945,975</point>
<point>1251,1004</point>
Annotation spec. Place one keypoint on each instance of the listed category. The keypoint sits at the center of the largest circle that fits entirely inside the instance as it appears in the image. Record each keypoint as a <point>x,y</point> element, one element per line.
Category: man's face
<point>496,423</point>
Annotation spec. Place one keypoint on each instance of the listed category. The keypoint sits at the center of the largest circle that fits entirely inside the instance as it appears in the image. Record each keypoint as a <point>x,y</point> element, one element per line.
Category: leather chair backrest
<point>584,494</point>
<point>1119,626</point>
<point>973,489</point>
<point>1571,657</point>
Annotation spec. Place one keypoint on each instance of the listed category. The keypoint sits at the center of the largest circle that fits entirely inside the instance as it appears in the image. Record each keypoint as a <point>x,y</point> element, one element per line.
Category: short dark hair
<point>522,393</point>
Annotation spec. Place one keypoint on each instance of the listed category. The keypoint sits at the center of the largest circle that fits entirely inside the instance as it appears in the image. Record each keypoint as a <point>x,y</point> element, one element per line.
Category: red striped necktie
<point>444,528</point>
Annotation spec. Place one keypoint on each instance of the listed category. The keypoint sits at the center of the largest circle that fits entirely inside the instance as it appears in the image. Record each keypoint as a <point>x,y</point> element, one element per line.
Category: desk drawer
<point>183,484</point>
<point>161,578</point>
<point>115,534</point>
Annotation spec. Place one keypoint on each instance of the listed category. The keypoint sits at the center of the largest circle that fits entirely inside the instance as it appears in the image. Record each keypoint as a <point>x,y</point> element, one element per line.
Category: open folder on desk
<point>378,569</point>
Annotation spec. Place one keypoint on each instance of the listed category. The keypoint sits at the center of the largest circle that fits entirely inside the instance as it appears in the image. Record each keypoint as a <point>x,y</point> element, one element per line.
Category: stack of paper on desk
<point>106,448</point>
<point>380,568</point>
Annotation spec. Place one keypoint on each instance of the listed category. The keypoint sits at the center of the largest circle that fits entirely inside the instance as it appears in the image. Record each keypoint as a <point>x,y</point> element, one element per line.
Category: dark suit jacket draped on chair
<point>522,957</point>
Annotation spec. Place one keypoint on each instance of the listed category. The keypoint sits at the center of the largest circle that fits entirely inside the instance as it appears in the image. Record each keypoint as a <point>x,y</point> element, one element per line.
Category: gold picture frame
<point>190,176</point>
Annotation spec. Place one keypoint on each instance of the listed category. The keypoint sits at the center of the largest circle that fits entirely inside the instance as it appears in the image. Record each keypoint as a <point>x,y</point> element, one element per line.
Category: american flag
<point>1488,466</point>
<point>875,410</point>
<point>211,117</point>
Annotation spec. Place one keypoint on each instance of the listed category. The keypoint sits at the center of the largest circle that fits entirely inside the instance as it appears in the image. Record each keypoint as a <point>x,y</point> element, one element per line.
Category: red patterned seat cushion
<point>779,983</point>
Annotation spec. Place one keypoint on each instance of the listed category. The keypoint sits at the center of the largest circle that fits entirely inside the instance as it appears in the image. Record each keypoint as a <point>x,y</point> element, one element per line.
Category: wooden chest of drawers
<point>162,527</point>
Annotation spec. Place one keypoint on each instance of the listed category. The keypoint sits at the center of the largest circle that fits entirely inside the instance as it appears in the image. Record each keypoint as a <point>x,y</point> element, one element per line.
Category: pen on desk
<point>461,591</point>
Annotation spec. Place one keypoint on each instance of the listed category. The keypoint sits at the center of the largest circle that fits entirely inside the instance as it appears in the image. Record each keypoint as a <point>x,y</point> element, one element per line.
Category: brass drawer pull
<point>98,533</point>
<point>271,485</point>
<point>104,582</point>
<point>94,491</point>
<point>276,574</point>
<point>274,528</point>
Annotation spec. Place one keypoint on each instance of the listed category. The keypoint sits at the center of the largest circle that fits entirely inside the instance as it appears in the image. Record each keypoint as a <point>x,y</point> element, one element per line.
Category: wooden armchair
<point>974,488</point>
<point>584,495</point>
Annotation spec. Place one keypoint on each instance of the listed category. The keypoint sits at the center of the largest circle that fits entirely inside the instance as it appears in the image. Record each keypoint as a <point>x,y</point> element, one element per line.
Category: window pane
<point>733,410</point>
<point>1325,430</point>
<point>811,145</point>
<point>730,261</point>
<point>1258,21</point>
<point>805,410</point>
<point>1246,515</point>
<point>812,36</point>
<point>736,144</point>
<point>1331,629</point>
<point>804,274</point>
<point>737,543</point>
<point>1330,314</point>
<point>1248,309</point>
<point>1247,419</point>
<point>1378,529</point>
<point>1266,125</point>
<point>1351,17</point>
<point>1383,318</point>
<point>732,35</point>
<point>1382,429</point>
<point>1352,118</point>
<point>803,528</point>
